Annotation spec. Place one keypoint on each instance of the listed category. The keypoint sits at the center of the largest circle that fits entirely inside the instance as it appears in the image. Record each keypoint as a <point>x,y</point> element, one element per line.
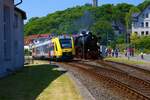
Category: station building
<point>141,22</point>
<point>11,37</point>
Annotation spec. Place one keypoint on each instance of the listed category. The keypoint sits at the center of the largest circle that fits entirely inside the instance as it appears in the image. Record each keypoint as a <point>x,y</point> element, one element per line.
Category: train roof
<point>49,41</point>
<point>41,44</point>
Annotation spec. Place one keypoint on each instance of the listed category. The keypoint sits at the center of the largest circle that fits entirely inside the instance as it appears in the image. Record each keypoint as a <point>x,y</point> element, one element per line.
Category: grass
<point>126,61</point>
<point>38,82</point>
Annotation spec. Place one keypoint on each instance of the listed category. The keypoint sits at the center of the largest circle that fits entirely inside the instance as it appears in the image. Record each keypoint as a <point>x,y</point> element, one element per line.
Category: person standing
<point>125,52</point>
<point>128,53</point>
<point>142,55</point>
<point>112,51</point>
<point>116,52</point>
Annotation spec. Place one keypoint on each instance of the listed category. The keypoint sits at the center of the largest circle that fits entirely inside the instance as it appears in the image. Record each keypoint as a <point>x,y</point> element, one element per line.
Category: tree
<point>128,17</point>
<point>142,42</point>
<point>77,18</point>
<point>120,39</point>
<point>143,5</point>
<point>104,30</point>
<point>134,38</point>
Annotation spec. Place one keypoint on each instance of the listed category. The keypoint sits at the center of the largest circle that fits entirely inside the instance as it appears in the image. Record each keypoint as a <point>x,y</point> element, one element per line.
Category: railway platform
<point>134,61</point>
<point>146,57</point>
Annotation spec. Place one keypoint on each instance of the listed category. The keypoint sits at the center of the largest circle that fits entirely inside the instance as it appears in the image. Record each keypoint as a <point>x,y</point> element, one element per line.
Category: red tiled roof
<point>29,39</point>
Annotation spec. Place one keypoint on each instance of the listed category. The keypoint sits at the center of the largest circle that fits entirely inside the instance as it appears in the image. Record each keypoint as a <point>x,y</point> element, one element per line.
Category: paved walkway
<point>138,57</point>
<point>146,60</point>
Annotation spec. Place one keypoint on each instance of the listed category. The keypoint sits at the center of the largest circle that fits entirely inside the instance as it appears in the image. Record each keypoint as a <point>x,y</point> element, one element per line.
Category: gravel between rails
<point>137,84</point>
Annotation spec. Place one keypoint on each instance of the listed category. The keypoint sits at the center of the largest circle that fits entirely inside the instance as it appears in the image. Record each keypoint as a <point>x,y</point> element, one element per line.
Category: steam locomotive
<point>86,46</point>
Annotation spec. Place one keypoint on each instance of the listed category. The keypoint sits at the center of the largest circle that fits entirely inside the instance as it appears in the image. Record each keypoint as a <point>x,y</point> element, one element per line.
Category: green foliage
<point>122,10</point>
<point>128,17</point>
<point>142,42</point>
<point>143,5</point>
<point>134,38</point>
<point>120,39</point>
<point>96,19</point>
<point>103,29</point>
<point>58,22</point>
<point>27,52</point>
<point>73,20</point>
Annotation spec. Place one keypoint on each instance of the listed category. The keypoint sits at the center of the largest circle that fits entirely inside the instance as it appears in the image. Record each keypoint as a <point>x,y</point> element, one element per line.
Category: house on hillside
<point>141,22</point>
<point>11,37</point>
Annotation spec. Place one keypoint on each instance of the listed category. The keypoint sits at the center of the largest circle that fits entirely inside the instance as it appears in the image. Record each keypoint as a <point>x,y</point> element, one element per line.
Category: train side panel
<point>58,48</point>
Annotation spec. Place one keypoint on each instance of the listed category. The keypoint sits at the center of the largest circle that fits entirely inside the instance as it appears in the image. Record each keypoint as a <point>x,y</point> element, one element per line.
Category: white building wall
<point>142,18</point>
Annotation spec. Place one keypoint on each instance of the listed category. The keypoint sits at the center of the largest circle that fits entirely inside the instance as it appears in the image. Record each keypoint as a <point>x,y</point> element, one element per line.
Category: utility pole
<point>95,3</point>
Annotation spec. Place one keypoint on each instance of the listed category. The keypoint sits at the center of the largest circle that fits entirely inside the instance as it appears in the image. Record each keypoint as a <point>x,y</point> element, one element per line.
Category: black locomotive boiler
<point>86,46</point>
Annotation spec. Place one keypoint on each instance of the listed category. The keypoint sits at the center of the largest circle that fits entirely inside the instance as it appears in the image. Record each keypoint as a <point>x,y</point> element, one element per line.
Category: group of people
<point>112,52</point>
<point>129,52</point>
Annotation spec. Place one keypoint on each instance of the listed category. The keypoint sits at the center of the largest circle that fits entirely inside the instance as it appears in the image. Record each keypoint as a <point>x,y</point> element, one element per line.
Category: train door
<point>51,50</point>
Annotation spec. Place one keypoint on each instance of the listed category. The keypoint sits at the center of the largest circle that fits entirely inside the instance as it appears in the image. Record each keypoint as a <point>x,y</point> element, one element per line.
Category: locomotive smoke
<point>84,22</point>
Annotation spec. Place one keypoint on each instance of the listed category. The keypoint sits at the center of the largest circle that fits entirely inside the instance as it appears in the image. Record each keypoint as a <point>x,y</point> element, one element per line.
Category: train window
<point>66,43</point>
<point>38,50</point>
<point>46,48</point>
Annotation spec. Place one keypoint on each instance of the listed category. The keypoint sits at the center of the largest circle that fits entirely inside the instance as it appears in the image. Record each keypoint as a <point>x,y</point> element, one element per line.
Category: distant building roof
<point>135,15</point>
<point>22,13</point>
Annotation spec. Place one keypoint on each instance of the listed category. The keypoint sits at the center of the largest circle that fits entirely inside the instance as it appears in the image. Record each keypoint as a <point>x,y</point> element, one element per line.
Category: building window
<point>147,24</point>
<point>142,24</point>
<point>7,34</point>
<point>147,15</point>
<point>147,32</point>
<point>143,15</point>
<point>142,33</point>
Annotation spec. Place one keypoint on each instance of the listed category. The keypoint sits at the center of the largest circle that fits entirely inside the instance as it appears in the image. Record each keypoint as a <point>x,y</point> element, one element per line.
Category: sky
<point>39,8</point>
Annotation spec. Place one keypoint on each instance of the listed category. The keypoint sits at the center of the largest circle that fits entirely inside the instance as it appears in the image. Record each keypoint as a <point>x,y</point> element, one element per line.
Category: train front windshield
<point>66,43</point>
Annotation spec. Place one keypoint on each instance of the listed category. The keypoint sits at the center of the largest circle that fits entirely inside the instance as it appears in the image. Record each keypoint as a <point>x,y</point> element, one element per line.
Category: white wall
<point>141,19</point>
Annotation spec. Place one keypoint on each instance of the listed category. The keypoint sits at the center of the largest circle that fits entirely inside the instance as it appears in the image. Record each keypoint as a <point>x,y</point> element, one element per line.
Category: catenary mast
<point>95,3</point>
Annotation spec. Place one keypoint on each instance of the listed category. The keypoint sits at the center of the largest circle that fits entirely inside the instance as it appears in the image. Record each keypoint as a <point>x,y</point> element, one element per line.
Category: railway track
<point>133,86</point>
<point>129,69</point>
<point>128,65</point>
